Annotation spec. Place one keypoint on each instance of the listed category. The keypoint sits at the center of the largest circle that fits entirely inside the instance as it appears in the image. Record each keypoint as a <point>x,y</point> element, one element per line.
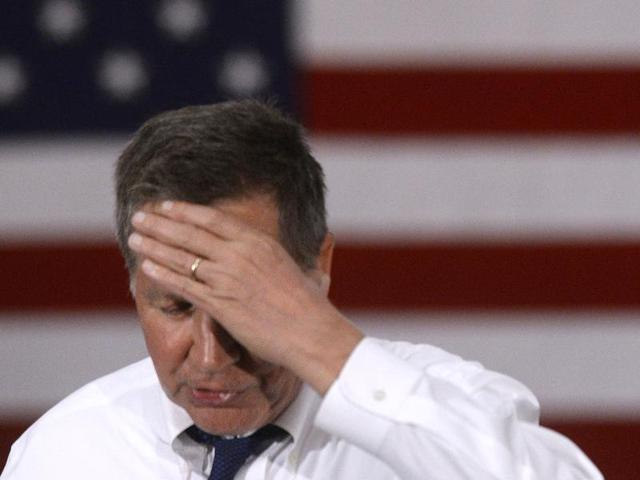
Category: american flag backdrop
<point>482,160</point>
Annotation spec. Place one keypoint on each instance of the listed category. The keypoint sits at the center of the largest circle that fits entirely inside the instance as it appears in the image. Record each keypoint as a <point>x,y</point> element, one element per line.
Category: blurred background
<point>482,159</point>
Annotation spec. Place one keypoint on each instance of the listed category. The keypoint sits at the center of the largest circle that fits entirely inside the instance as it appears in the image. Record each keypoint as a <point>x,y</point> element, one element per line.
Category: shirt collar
<point>177,419</point>
<point>298,416</point>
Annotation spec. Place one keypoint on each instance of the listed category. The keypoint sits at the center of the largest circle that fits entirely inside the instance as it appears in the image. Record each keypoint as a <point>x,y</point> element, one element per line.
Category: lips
<point>214,397</point>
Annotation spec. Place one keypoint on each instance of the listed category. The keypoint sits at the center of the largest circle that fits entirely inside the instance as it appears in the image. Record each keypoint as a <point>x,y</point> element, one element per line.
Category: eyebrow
<point>156,294</point>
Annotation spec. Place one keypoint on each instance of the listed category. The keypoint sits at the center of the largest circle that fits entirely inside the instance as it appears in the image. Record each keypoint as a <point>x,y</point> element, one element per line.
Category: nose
<point>213,349</point>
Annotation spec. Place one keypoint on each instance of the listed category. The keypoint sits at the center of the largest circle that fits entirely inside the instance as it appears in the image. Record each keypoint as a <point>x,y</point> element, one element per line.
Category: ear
<point>325,257</point>
<point>322,272</point>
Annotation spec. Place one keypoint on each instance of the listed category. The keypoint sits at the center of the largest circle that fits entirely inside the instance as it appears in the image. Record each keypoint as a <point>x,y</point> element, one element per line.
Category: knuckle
<point>199,237</point>
<point>149,221</point>
<point>178,208</point>
<point>183,286</point>
<point>273,249</point>
<point>186,261</point>
<point>182,236</point>
<point>261,245</point>
<point>236,258</point>
<point>213,218</point>
<point>234,289</point>
<point>265,245</point>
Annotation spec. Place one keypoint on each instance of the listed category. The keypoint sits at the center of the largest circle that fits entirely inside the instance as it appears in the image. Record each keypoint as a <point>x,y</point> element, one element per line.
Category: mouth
<point>204,397</point>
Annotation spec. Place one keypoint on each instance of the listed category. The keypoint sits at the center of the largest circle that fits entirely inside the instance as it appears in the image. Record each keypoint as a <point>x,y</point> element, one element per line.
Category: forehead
<point>258,211</point>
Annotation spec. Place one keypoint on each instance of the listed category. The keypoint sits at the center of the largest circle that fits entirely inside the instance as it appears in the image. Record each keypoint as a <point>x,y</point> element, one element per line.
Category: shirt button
<point>293,459</point>
<point>379,395</point>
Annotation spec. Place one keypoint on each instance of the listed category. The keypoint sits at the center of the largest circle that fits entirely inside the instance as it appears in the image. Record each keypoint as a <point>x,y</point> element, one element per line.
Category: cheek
<point>167,344</point>
<point>280,386</point>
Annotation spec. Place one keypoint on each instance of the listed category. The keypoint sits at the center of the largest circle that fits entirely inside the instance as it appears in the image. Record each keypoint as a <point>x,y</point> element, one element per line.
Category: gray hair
<point>228,150</point>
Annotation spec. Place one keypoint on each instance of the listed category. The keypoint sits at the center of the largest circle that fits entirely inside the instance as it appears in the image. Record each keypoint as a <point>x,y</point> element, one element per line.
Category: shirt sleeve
<point>422,411</point>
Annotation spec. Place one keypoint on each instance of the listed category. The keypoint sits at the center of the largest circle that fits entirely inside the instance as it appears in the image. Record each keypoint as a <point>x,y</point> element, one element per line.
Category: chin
<point>227,421</point>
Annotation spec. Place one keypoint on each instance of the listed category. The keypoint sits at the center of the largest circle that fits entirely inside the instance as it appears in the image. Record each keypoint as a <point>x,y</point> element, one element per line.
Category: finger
<point>213,274</point>
<point>198,293</point>
<point>254,245</point>
<point>208,218</point>
<point>178,234</point>
<point>174,258</point>
<point>177,259</point>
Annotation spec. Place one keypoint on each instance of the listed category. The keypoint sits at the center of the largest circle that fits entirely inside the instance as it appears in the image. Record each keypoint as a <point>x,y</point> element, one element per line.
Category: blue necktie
<point>231,453</point>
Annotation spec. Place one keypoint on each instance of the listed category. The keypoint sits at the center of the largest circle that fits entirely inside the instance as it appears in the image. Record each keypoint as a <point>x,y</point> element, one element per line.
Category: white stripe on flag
<point>406,32</point>
<point>578,364</point>
<point>379,189</point>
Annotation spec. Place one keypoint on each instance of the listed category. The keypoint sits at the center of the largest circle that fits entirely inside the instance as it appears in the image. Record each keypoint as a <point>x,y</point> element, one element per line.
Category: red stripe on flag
<point>613,446</point>
<point>487,276</point>
<point>472,101</point>
<point>74,276</point>
<point>423,276</point>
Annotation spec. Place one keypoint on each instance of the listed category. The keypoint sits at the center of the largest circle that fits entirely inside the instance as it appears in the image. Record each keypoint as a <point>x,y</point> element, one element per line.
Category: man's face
<point>201,367</point>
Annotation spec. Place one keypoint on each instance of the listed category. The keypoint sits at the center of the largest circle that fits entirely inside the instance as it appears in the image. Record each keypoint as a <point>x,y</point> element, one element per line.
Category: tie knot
<point>231,453</point>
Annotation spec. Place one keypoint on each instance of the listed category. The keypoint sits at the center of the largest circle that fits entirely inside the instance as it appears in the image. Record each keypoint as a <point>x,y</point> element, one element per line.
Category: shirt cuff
<point>365,400</point>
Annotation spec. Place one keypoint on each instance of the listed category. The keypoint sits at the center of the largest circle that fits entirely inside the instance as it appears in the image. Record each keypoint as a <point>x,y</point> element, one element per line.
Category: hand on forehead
<point>245,279</point>
<point>159,216</point>
<point>174,233</point>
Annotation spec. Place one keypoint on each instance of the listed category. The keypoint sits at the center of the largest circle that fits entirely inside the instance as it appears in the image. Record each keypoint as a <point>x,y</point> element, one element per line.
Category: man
<point>221,220</point>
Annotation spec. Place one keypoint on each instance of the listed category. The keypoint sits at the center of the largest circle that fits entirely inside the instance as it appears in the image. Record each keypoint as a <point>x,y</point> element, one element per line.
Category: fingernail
<point>166,205</point>
<point>138,217</point>
<point>135,240</point>
<point>149,268</point>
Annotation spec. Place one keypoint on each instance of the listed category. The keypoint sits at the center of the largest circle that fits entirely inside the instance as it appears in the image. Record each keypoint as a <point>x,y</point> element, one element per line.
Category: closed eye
<point>177,308</point>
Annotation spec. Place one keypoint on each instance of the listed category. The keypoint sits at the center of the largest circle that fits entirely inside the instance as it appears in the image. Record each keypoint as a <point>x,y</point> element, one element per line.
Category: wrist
<point>326,350</point>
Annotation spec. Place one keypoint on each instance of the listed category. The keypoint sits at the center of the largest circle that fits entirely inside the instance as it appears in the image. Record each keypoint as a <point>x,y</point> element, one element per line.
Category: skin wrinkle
<point>192,351</point>
<point>277,315</point>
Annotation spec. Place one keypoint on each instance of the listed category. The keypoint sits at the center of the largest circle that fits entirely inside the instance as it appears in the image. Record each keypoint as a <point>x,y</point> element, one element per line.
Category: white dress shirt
<point>397,412</point>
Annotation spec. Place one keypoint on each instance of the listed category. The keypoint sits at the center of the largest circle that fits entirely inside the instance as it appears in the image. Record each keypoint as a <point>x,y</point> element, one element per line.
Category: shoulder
<point>124,388</point>
<point>120,405</point>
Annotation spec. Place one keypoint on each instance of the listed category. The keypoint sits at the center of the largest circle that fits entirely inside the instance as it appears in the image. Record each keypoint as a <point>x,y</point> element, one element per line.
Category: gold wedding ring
<point>194,268</point>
